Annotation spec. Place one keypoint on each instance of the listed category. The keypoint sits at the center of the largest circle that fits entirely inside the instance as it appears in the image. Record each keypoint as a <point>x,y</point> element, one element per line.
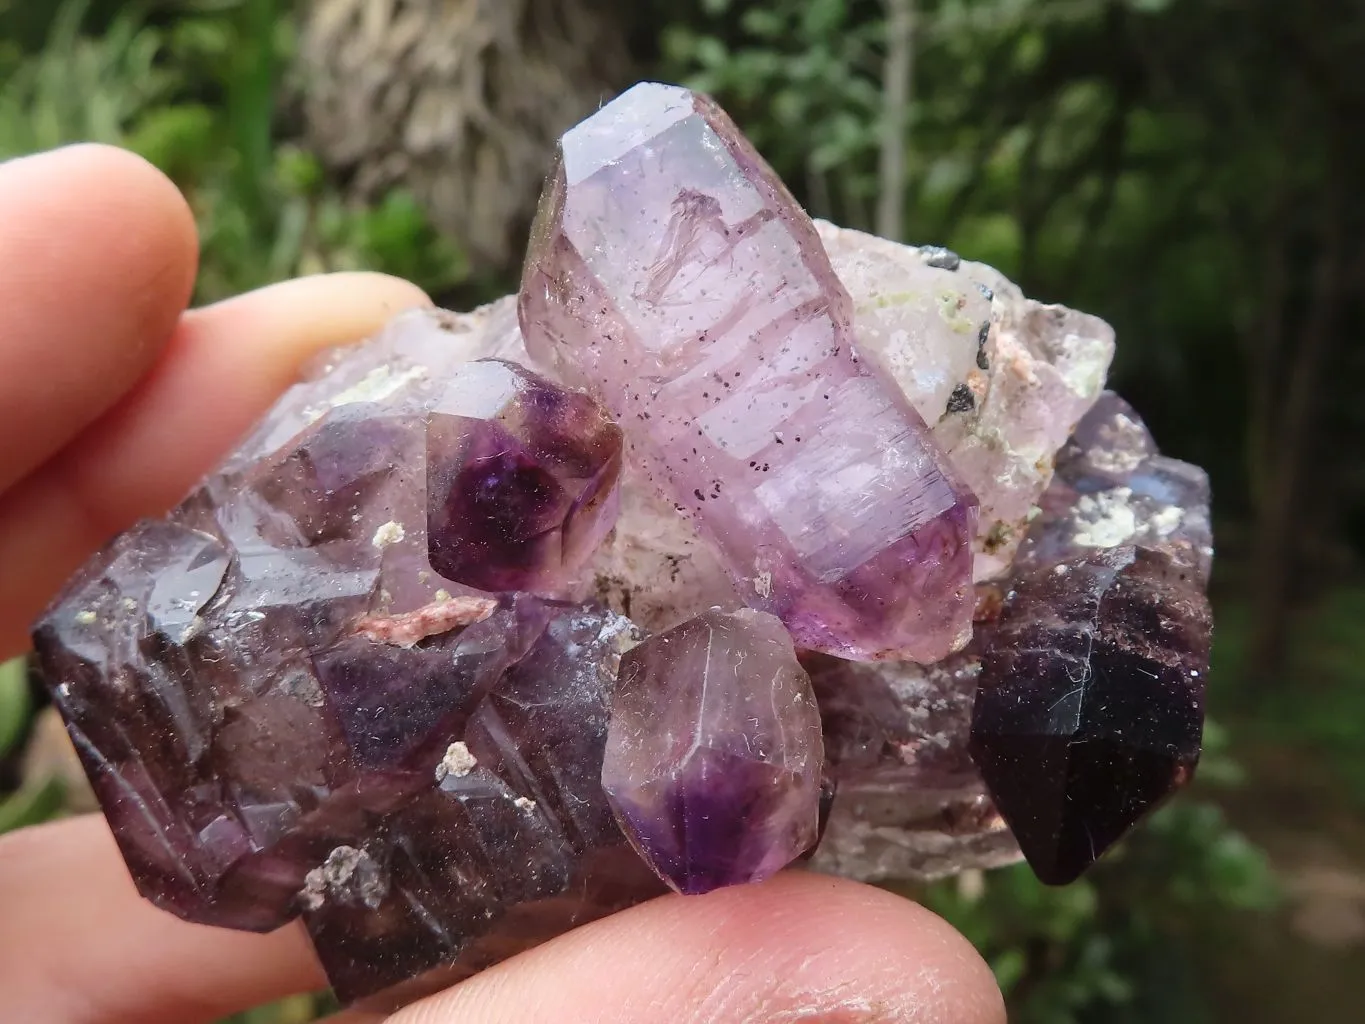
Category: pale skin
<point>114,399</point>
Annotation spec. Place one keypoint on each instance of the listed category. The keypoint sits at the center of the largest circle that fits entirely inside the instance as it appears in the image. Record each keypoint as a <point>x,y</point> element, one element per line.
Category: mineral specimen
<point>671,273</point>
<point>713,752</point>
<point>368,672</point>
<point>1090,706</point>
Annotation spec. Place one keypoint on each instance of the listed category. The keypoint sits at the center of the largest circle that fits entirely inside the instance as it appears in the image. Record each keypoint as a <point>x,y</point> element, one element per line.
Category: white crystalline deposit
<point>1001,418</point>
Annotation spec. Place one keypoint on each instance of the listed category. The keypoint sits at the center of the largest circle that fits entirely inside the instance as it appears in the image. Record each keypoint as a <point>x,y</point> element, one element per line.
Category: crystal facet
<point>672,273</point>
<point>510,839</point>
<point>714,752</point>
<point>1090,707</point>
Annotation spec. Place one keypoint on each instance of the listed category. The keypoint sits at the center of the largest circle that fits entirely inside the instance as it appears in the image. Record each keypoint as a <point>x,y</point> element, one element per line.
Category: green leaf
<point>177,139</point>
<point>1009,968</point>
<point>35,803</point>
<point>15,703</point>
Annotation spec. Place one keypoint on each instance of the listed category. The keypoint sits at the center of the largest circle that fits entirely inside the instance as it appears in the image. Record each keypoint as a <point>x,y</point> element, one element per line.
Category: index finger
<point>99,252</point>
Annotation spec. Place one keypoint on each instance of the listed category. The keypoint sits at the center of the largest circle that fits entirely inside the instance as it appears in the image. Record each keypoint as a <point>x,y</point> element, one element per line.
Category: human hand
<point>113,400</point>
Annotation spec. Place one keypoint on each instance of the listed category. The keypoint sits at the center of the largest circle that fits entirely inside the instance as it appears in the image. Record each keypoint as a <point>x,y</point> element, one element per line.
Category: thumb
<point>800,948</point>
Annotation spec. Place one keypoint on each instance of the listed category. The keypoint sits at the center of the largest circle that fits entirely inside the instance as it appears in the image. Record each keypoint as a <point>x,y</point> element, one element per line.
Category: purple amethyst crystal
<point>510,840</point>
<point>396,705</point>
<point>521,479</point>
<point>380,790</point>
<point>672,273</point>
<point>1091,701</point>
<point>267,688</point>
<point>713,754</point>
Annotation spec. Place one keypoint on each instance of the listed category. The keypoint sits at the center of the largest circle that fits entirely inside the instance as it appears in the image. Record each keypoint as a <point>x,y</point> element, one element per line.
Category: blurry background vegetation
<point>1189,169</point>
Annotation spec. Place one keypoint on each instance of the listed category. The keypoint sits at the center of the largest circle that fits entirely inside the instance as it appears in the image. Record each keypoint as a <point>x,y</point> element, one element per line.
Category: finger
<point>99,251</point>
<point>802,947</point>
<point>224,367</point>
<point>81,947</point>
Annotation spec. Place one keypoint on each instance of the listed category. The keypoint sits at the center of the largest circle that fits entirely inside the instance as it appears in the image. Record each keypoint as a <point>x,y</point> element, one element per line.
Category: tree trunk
<point>460,101</point>
<point>1287,442</point>
<point>897,85</point>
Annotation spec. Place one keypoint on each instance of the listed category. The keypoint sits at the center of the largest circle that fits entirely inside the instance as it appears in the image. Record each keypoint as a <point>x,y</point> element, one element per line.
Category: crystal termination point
<point>714,753</point>
<point>671,273</point>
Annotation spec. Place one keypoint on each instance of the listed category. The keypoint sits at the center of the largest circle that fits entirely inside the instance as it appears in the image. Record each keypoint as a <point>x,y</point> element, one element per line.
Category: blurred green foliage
<point>1319,703</point>
<point>1114,947</point>
<point>198,95</point>
<point>37,799</point>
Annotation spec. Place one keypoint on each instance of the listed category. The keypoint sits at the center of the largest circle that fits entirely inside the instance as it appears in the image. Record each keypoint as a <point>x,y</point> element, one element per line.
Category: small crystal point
<point>521,479</point>
<point>714,751</point>
<point>671,273</point>
<point>1091,703</point>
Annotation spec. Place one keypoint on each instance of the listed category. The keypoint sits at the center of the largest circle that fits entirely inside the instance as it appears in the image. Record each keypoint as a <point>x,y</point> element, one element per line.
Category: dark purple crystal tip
<point>1091,704</point>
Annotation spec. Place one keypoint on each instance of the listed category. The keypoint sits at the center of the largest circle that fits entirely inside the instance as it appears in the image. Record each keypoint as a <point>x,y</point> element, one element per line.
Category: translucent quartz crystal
<point>1047,365</point>
<point>917,316</point>
<point>1001,380</point>
<point>671,273</point>
<point>1091,701</point>
<point>713,752</point>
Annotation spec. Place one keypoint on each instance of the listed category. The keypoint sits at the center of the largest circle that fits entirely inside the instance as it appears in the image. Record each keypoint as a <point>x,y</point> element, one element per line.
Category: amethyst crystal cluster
<point>734,540</point>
